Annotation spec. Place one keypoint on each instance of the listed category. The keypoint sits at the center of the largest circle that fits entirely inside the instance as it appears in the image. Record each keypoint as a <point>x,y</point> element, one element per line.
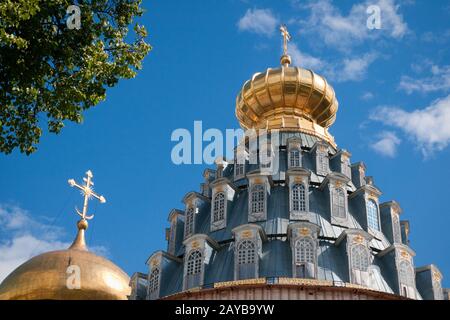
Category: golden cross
<point>286,37</point>
<point>88,192</point>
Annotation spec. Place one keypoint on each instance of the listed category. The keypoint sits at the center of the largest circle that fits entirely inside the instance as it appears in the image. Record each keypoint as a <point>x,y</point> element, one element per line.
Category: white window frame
<point>246,256</point>
<point>360,257</point>
<point>338,202</point>
<point>295,161</point>
<point>301,203</point>
<point>193,267</point>
<point>219,207</point>
<point>257,206</point>
<point>154,283</point>
<point>305,256</point>
<point>373,215</point>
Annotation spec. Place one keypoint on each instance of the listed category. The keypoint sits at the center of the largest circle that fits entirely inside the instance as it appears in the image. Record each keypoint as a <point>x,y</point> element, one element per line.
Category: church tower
<point>305,223</point>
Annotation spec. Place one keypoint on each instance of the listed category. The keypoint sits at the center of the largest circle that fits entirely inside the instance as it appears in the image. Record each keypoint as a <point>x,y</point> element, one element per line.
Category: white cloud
<point>355,69</point>
<point>387,144</point>
<point>305,60</point>
<point>260,21</point>
<point>23,237</point>
<point>366,96</point>
<point>348,69</point>
<point>428,127</point>
<point>344,31</point>
<point>438,80</point>
<point>19,249</point>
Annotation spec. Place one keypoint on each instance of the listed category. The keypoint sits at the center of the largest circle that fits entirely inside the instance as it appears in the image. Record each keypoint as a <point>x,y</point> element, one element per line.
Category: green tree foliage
<point>50,73</point>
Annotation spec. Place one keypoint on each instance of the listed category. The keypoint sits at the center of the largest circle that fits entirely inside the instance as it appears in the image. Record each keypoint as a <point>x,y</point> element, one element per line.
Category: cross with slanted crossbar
<point>88,192</point>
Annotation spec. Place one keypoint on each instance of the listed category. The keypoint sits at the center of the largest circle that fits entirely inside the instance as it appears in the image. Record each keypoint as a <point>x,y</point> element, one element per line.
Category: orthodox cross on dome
<point>88,192</point>
<point>286,38</point>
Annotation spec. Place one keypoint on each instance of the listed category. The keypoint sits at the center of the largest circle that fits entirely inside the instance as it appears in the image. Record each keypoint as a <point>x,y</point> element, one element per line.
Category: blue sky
<point>393,86</point>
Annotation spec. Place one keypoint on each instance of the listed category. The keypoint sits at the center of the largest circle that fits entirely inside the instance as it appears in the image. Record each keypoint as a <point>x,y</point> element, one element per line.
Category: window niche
<point>390,221</point>
<point>366,209</point>
<point>156,264</point>
<point>294,155</point>
<point>398,259</point>
<point>303,239</point>
<point>176,220</point>
<point>335,187</point>
<point>359,255</point>
<point>222,195</point>
<point>199,250</point>
<point>358,174</point>
<point>258,192</point>
<point>298,183</point>
<point>241,157</point>
<point>429,282</point>
<point>194,202</point>
<point>320,153</point>
<point>248,240</point>
<point>340,162</point>
<point>406,276</point>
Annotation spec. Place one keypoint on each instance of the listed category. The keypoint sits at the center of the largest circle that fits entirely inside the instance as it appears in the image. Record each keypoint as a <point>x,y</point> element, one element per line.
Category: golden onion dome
<point>288,98</point>
<point>52,276</point>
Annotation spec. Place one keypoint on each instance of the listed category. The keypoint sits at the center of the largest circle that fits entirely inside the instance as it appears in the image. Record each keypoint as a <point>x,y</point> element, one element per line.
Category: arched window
<point>189,226</point>
<point>406,273</point>
<point>304,257</point>
<point>246,259</point>
<point>372,215</point>
<point>360,257</point>
<point>298,197</point>
<point>194,269</point>
<point>153,284</point>
<point>219,207</point>
<point>338,203</point>
<point>294,158</point>
<point>258,197</point>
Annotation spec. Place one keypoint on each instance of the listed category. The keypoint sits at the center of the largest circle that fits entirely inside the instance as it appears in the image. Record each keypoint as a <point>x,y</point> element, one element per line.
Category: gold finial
<point>88,192</point>
<point>285,58</point>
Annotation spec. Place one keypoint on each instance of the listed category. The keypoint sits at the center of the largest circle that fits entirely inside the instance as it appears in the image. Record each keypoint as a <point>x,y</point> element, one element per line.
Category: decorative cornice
<point>174,212</point>
<point>202,237</point>
<point>367,189</point>
<point>334,176</point>
<point>221,181</point>
<point>252,226</point>
<point>341,152</point>
<point>162,253</point>
<point>397,246</point>
<point>194,194</point>
<point>346,232</point>
<point>393,205</point>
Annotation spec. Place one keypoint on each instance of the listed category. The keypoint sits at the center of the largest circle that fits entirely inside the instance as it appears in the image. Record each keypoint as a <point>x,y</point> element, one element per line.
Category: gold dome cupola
<point>71,274</point>
<point>288,98</point>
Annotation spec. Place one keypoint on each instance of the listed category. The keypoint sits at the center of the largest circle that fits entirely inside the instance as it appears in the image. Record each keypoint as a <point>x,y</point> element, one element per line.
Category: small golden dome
<point>287,98</point>
<point>52,276</point>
